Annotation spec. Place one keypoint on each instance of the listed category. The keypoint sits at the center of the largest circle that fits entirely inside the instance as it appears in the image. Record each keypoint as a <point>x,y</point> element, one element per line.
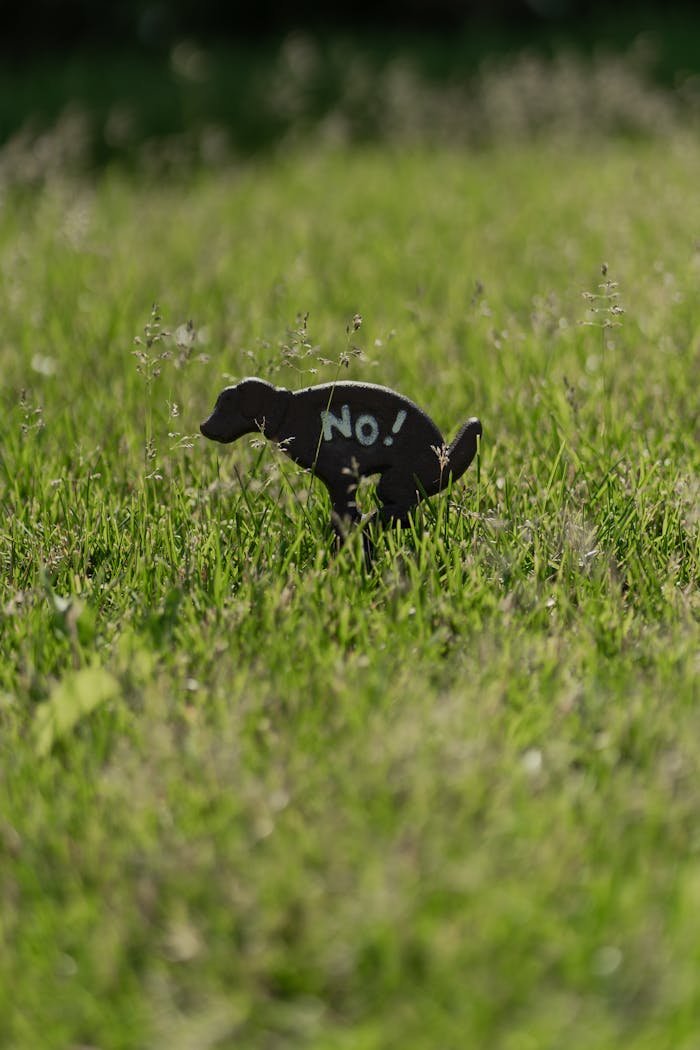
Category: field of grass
<point>255,795</point>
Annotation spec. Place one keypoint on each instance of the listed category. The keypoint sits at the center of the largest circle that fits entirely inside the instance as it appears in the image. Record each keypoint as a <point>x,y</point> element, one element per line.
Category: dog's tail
<point>462,451</point>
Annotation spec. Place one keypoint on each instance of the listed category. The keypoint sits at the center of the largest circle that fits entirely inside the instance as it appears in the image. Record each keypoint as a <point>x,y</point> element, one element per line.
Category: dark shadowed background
<point>202,82</point>
<point>67,22</point>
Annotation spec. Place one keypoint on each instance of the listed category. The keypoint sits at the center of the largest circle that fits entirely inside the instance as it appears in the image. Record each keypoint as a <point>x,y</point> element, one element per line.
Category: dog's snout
<point>214,428</point>
<point>209,429</point>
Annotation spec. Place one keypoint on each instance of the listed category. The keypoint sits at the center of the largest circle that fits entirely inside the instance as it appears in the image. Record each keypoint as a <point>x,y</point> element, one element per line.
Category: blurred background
<point>157,22</point>
<point>168,86</point>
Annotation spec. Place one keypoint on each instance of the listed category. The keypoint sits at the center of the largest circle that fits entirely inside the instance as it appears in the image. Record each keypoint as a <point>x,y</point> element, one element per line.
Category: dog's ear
<point>252,396</point>
<point>262,403</point>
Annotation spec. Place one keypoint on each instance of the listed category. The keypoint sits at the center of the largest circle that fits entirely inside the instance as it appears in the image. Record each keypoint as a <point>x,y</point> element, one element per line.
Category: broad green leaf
<point>76,695</point>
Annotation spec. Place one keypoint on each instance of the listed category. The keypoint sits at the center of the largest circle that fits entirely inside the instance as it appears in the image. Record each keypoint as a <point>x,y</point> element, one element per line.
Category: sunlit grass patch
<point>255,793</point>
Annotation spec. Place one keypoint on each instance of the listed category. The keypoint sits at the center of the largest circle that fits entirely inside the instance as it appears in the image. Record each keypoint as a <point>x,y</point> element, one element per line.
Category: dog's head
<point>249,406</point>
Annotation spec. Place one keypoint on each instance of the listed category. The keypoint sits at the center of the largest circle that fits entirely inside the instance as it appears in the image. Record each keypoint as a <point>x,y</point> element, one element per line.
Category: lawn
<point>254,794</point>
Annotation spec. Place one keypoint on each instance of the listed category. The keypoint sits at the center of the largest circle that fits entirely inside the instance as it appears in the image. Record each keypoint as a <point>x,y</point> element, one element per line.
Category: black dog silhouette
<point>342,431</point>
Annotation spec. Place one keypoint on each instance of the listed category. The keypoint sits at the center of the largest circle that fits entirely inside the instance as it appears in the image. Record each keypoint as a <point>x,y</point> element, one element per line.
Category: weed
<point>604,313</point>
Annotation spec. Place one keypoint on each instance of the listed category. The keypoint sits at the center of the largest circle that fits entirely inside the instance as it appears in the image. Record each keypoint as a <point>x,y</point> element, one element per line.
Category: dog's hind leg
<point>398,496</point>
<point>344,510</point>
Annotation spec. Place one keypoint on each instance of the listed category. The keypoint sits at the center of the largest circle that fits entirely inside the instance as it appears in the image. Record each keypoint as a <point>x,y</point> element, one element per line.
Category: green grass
<point>252,795</point>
